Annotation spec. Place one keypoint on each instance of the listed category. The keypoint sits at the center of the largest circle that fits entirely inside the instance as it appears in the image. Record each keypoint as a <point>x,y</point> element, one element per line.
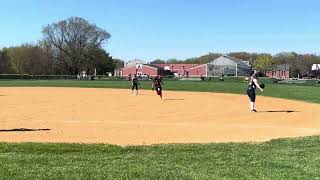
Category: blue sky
<point>151,29</point>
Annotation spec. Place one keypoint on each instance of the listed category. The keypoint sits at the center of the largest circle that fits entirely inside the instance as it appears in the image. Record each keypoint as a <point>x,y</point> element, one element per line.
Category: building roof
<point>143,65</point>
<point>133,62</point>
<point>152,65</point>
<point>177,66</point>
<point>224,60</point>
<point>198,66</point>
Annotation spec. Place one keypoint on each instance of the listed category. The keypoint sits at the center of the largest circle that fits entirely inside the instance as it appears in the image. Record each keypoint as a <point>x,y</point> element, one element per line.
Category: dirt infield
<point>114,116</point>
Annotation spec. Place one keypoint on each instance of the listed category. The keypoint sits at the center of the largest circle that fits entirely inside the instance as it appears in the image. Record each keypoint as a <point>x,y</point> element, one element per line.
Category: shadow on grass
<point>22,130</point>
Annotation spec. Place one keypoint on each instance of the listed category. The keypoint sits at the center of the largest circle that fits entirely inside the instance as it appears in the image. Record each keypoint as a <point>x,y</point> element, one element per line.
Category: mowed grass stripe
<point>294,92</point>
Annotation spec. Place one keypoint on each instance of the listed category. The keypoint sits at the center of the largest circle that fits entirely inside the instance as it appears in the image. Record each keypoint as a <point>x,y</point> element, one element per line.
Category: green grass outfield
<point>297,158</point>
<point>296,92</point>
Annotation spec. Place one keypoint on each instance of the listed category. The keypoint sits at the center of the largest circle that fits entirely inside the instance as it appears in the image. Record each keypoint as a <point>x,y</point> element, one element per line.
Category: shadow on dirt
<point>173,99</point>
<point>282,111</point>
<point>22,130</point>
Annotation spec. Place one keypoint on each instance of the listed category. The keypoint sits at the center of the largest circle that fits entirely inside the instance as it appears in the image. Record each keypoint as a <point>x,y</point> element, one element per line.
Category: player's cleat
<point>254,110</point>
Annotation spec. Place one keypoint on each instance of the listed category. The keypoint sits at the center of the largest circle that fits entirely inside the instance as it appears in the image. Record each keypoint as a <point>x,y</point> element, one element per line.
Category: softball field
<point>115,116</point>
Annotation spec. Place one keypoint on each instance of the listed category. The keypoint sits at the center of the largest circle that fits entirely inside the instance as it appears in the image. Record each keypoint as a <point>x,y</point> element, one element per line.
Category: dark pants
<point>134,86</point>
<point>252,95</point>
<point>159,90</point>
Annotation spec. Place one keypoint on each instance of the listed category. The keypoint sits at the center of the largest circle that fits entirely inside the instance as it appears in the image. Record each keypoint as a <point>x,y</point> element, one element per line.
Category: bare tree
<point>74,42</point>
<point>28,59</point>
<point>5,64</point>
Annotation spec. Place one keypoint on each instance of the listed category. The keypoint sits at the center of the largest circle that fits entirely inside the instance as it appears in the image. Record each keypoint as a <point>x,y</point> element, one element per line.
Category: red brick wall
<point>151,71</point>
<point>198,71</point>
<point>128,70</point>
<point>148,71</point>
<point>269,74</point>
<point>177,66</point>
<point>181,69</point>
<point>278,74</point>
<point>193,70</point>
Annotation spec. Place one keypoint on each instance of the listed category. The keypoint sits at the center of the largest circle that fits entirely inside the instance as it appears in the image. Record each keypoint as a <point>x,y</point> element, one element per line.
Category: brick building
<point>183,70</point>
<point>140,70</point>
<point>224,65</point>
<point>279,71</point>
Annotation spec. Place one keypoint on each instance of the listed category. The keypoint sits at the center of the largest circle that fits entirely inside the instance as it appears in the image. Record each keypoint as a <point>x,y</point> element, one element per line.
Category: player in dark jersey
<point>135,84</point>
<point>251,91</point>
<point>156,85</point>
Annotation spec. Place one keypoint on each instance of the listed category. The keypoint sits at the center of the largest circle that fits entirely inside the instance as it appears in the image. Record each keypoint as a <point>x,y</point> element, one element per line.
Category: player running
<point>135,84</point>
<point>156,85</point>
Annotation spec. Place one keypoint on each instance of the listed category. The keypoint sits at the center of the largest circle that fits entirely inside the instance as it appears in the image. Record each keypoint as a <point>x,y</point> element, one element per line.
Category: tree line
<point>73,45</point>
<point>299,63</point>
<point>66,48</point>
